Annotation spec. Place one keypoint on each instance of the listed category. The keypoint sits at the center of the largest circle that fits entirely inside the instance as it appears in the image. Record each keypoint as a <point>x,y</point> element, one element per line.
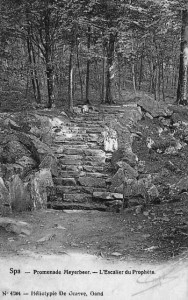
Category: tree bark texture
<point>70,88</point>
<point>88,64</point>
<point>49,60</point>
<point>182,81</point>
<point>110,69</point>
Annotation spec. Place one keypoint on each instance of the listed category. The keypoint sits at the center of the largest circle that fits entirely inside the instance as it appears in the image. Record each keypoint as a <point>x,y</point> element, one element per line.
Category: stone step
<point>91,143</point>
<point>76,206</point>
<point>93,161</point>
<point>67,174</point>
<point>95,152</point>
<point>70,161</point>
<point>89,124</point>
<point>69,178</point>
<point>94,145</point>
<point>61,190</point>
<point>69,156</point>
<point>65,181</point>
<point>86,158</point>
<point>83,171</point>
<point>90,181</point>
<point>75,197</point>
<point>97,167</point>
<point>76,166</point>
<point>71,135</point>
<point>92,168</point>
<point>70,143</point>
<point>77,160</point>
<point>71,168</point>
<point>70,130</point>
<point>71,151</point>
<point>82,146</point>
<point>92,189</point>
<point>92,138</point>
<point>107,196</point>
<point>94,174</point>
<point>75,139</point>
<point>94,130</point>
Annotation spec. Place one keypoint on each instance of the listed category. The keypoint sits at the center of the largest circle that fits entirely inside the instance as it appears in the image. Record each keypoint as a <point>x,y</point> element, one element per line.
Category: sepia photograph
<point>94,149</point>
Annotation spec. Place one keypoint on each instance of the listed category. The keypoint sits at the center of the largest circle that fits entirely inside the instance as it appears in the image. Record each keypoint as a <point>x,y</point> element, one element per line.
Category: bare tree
<point>182,81</point>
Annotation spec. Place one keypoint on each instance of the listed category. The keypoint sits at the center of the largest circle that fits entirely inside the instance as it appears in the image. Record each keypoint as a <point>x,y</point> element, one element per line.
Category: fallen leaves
<point>18,227</point>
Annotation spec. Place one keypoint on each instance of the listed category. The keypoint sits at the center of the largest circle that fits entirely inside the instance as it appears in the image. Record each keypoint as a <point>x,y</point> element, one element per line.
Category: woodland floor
<point>153,236</point>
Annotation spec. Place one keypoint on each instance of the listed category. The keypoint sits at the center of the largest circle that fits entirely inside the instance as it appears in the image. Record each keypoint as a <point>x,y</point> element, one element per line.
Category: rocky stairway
<point>83,180</point>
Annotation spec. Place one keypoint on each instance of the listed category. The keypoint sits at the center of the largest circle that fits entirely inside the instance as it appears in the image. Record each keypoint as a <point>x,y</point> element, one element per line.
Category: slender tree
<point>182,81</point>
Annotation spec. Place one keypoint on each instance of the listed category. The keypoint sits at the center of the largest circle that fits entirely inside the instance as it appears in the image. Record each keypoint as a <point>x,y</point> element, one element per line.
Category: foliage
<point>139,39</point>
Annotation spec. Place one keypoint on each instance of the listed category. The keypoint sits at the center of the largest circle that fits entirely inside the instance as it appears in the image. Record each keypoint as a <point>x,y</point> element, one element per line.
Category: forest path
<point>145,237</point>
<point>84,165</point>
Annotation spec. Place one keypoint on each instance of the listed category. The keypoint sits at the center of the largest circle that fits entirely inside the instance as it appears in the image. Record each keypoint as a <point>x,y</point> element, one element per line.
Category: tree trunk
<point>88,64</point>
<point>49,58</point>
<point>162,79</point>
<point>32,60</point>
<point>103,74</point>
<point>133,68</point>
<point>182,81</point>
<point>110,69</point>
<point>133,77</point>
<point>80,75</point>
<point>119,78</point>
<point>49,75</point>
<point>36,75</point>
<point>31,68</point>
<point>70,88</point>
<point>141,69</point>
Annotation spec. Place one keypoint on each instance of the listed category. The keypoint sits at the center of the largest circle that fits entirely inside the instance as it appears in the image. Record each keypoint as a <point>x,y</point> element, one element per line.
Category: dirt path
<point>156,234</point>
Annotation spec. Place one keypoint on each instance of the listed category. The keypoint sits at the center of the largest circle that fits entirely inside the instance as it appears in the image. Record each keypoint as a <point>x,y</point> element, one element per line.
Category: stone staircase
<point>83,180</point>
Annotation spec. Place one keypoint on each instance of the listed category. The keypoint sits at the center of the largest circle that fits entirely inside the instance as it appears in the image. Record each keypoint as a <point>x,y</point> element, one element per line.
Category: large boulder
<point>155,108</point>
<point>124,173</point>
<point>180,114</point>
<point>135,188</point>
<point>9,170</point>
<point>131,116</point>
<point>181,186</point>
<point>37,148</point>
<point>129,172</point>
<point>50,162</point>
<point>12,151</point>
<point>28,163</point>
<point>19,195</point>
<point>110,139</point>
<point>124,156</point>
<point>41,184</point>
<point>153,193</point>
<point>46,134</point>
<point>117,180</point>
<point>15,226</point>
<point>124,136</point>
<point>15,157</point>
<point>4,199</point>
